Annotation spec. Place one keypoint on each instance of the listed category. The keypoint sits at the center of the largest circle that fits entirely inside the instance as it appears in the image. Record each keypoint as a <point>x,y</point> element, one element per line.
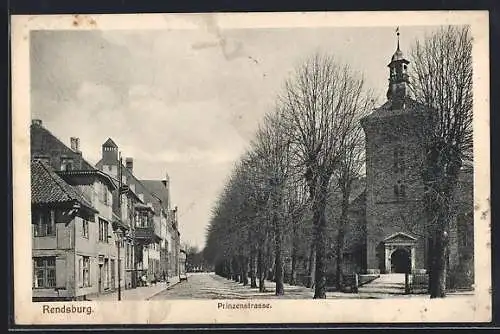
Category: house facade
<point>62,220</point>
<point>93,263</point>
<point>94,228</point>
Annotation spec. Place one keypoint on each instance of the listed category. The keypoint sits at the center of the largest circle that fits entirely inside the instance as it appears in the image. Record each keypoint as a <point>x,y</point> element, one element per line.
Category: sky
<point>185,102</point>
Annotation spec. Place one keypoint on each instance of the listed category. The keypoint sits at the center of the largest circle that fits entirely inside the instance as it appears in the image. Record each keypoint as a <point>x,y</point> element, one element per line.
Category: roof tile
<point>49,188</point>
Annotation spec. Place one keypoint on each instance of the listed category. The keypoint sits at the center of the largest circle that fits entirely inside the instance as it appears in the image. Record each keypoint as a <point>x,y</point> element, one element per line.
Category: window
<point>103,230</point>
<point>137,219</point>
<point>85,228</point>
<point>66,164</point>
<point>105,198</point>
<point>400,190</point>
<point>142,220</point>
<point>84,271</point>
<point>127,254</point>
<point>42,158</point>
<point>398,160</point>
<point>106,274</point>
<point>44,272</point>
<point>43,222</point>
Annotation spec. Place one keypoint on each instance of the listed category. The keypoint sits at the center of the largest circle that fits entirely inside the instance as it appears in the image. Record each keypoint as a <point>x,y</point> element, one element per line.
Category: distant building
<point>182,263</point>
<point>154,233</point>
<point>167,222</point>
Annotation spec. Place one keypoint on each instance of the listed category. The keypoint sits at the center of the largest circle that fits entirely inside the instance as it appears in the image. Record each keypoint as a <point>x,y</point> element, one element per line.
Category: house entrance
<point>401,261</point>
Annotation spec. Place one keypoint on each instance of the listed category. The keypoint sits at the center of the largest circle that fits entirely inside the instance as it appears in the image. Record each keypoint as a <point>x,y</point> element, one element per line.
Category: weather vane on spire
<point>397,33</point>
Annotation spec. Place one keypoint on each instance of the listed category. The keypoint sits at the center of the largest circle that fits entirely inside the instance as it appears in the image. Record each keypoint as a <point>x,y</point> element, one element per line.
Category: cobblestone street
<point>211,286</point>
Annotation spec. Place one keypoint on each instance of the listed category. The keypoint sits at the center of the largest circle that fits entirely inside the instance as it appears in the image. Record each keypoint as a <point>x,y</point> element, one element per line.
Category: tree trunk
<point>227,269</point>
<point>278,257</point>
<point>440,178</point>
<point>319,207</point>
<point>312,266</point>
<point>239,269</point>
<point>346,190</point>
<point>278,266</point>
<point>253,270</point>
<point>339,277</point>
<point>293,274</point>
<point>234,269</point>
<point>439,257</point>
<point>244,272</point>
<point>260,263</point>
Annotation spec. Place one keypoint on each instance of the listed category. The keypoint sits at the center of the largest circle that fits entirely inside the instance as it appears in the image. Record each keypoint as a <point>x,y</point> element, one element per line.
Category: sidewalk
<point>139,293</point>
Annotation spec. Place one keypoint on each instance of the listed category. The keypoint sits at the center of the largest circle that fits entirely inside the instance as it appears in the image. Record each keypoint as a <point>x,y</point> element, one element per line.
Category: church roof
<point>398,55</point>
<point>410,107</point>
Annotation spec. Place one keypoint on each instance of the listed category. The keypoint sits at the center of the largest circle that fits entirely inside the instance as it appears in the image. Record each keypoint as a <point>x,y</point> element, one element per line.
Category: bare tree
<point>272,149</point>
<point>349,169</point>
<point>442,80</point>
<point>321,103</point>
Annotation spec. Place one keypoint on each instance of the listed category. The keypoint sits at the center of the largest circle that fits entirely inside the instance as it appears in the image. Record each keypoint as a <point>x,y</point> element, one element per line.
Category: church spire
<point>398,77</point>
<point>397,33</point>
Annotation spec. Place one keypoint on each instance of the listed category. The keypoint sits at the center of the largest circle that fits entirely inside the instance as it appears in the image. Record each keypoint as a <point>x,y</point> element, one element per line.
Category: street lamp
<point>119,238</point>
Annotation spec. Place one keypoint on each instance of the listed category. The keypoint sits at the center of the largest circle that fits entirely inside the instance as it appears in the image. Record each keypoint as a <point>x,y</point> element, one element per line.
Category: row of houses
<point>96,227</point>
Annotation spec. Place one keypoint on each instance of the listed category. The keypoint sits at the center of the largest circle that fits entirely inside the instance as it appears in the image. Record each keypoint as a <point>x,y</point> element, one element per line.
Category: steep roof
<point>158,188</point>
<point>38,130</point>
<point>49,188</point>
<point>110,143</point>
<point>68,174</point>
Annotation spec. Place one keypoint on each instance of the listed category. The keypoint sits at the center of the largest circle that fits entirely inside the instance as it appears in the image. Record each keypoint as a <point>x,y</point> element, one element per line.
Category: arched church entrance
<point>401,261</point>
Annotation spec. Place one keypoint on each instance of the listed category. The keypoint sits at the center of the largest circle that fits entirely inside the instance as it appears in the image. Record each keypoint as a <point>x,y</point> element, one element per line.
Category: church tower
<point>395,224</point>
<point>398,79</point>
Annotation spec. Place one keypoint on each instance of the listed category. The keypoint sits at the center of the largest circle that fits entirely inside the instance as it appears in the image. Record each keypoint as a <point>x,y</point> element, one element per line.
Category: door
<point>99,283</point>
<point>401,261</point>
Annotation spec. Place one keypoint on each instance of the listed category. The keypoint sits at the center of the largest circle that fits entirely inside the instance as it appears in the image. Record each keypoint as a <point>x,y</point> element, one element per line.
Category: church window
<point>398,160</point>
<point>400,190</point>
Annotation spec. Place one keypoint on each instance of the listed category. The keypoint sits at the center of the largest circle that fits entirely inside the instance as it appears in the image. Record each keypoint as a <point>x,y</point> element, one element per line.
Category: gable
<point>400,237</point>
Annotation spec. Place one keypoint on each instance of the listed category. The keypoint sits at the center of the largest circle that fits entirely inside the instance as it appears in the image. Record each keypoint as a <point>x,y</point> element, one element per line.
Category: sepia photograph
<point>247,168</point>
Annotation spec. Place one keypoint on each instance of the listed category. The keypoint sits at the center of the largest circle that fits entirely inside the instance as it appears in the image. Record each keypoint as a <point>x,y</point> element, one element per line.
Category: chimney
<point>37,122</point>
<point>75,144</point>
<point>129,164</point>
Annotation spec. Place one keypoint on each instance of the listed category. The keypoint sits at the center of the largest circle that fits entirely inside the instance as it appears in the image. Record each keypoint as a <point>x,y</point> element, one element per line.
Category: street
<point>211,286</point>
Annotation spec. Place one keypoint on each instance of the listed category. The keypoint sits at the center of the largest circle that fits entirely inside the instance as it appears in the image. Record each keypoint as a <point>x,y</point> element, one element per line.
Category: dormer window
<point>66,164</point>
<point>42,158</point>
